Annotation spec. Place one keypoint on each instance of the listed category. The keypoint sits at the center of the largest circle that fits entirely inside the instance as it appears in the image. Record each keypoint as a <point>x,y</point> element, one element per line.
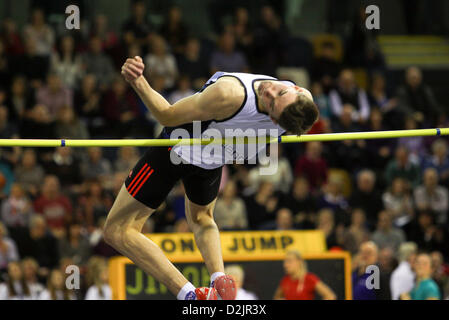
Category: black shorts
<point>154,176</point>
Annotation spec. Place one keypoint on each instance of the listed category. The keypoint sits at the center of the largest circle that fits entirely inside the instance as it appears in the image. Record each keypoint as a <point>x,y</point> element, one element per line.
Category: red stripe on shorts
<point>143,182</point>
<point>137,178</point>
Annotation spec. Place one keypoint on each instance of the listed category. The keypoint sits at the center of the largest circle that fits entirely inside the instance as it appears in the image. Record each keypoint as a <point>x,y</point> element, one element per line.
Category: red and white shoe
<point>205,293</point>
<point>226,287</point>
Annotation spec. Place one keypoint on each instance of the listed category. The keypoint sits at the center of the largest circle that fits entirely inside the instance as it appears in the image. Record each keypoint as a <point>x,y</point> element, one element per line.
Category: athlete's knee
<point>203,218</point>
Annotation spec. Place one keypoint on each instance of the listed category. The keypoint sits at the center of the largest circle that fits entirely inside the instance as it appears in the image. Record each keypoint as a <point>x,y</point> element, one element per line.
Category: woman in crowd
<point>98,277</point>
<point>15,287</point>
<point>56,288</point>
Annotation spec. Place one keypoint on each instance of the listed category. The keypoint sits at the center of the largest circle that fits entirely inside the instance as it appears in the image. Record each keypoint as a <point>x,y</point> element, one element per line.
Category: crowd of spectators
<point>54,200</point>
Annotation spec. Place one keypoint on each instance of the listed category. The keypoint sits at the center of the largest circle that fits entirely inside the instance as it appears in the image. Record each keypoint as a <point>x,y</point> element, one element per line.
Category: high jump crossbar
<point>196,141</point>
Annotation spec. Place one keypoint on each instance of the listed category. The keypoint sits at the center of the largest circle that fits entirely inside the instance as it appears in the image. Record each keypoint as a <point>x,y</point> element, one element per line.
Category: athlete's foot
<point>205,293</point>
<point>226,287</point>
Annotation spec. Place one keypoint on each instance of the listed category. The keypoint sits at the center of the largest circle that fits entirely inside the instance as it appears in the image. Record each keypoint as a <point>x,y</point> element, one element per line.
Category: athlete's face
<point>274,96</point>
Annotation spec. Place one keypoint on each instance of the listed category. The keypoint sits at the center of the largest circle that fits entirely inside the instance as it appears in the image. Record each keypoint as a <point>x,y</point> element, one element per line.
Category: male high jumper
<point>227,101</point>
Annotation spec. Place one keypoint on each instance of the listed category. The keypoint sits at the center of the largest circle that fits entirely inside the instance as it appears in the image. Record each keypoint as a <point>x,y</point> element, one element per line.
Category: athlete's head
<point>291,107</point>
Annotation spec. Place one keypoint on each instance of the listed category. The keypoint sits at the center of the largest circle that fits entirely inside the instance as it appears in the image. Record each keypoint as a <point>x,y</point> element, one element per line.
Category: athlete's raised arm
<point>217,101</point>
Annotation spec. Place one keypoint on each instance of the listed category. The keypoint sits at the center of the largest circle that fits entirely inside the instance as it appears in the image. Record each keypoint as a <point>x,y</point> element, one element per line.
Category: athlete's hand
<point>132,69</point>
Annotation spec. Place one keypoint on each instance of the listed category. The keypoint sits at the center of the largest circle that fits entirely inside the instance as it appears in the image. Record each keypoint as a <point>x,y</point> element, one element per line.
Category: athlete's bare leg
<point>207,238</point>
<point>123,232</point>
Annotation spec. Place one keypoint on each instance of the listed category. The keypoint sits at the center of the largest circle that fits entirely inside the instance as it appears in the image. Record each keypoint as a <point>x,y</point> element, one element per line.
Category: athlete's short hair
<point>299,116</point>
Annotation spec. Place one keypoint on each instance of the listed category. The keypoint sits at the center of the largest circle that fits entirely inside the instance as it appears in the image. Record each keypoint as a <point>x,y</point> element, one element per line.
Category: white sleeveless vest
<point>247,121</point>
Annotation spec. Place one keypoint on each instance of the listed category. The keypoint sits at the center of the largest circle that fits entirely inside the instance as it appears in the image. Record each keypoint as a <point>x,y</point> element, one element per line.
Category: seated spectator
<point>95,166</point>
<point>401,167</point>
<point>20,100</point>
<point>299,283</point>
<point>102,30</point>
<point>326,68</point>
<point>312,165</point>
<point>38,124</point>
<point>440,272</point>
<point>415,145</point>
<point>368,255</point>
<point>87,105</point>
<point>403,277</point>
<point>261,207</point>
<point>127,159</point>
<point>15,288</point>
<point>226,58</point>
<point>357,232</point>
<point>379,97</point>
<point>387,260</point>
<point>417,98</point>
<point>11,37</point>
<point>98,276</point>
<point>366,196</point>
<point>96,62</point>
<point>92,205</point>
<point>243,31</point>
<point>181,226</point>
<point>322,100</point>
<point>302,203</point>
<point>387,236</point>
<point>28,173</point>
<point>137,26</point>
<point>425,287</point>
<point>432,196</point>
<point>66,63</point>
<point>75,245</point>
<point>160,62</point>
<point>174,30</point>
<point>42,32</point>
<point>192,63</point>
<point>8,248</point>
<point>53,205</point>
<point>238,274</point>
<point>69,126</point>
<point>333,198</point>
<point>36,242</point>
<point>54,95</point>
<point>56,288</point>
<point>182,90</point>
<point>16,209</point>
<point>347,92</point>
<point>439,160</point>
<point>284,219</point>
<point>30,269</point>
<point>8,130</point>
<point>230,210</point>
<point>32,65</point>
<point>325,222</point>
<point>399,202</point>
<point>97,243</point>
<point>65,165</point>
<point>423,231</point>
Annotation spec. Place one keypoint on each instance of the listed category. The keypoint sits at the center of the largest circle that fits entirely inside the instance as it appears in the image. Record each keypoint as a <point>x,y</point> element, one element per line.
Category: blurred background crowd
<point>368,197</point>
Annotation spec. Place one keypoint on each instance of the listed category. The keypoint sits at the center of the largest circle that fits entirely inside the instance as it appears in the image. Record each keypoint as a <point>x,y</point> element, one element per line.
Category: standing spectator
<point>174,30</point>
<point>403,277</point>
<point>368,256</point>
<point>40,31</point>
<point>226,58</point>
<point>425,287</point>
<point>347,91</point>
<point>160,62</point>
<point>15,287</point>
<point>401,166</point>
<point>439,160</point>
<point>238,274</point>
<point>399,202</point>
<point>36,242</point>
<point>66,63</point>
<point>98,275</point>
<point>69,126</point>
<point>16,209</point>
<point>230,210</point>
<point>28,173</point>
<point>192,63</point>
<point>56,288</point>
<point>417,98</point>
<point>8,248</point>
<point>299,283</point>
<point>96,62</point>
<point>54,95</point>
<point>75,245</point>
<point>312,165</point>
<point>387,236</point>
<point>367,197</point>
<point>30,268</point>
<point>53,205</point>
<point>431,196</point>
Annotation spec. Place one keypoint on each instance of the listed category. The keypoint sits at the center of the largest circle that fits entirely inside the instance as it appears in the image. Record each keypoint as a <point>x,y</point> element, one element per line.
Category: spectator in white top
<point>346,92</point>
<point>99,278</point>
<point>15,288</point>
<point>161,63</point>
<point>41,32</point>
<point>8,248</point>
<point>403,277</point>
<point>56,288</point>
<point>239,276</point>
<point>431,196</point>
<point>30,268</point>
